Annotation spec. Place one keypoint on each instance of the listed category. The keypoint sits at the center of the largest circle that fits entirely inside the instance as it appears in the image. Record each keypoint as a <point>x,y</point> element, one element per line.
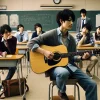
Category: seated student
<point>97,37</point>
<point>21,35</point>
<point>7,46</point>
<point>38,30</point>
<point>85,39</point>
<point>59,36</point>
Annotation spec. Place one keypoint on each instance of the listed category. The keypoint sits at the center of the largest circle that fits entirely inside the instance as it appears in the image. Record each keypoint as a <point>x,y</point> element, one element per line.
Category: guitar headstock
<point>96,51</point>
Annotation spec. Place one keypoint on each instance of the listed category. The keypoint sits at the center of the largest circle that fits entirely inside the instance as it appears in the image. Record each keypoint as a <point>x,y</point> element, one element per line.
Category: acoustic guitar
<point>40,64</point>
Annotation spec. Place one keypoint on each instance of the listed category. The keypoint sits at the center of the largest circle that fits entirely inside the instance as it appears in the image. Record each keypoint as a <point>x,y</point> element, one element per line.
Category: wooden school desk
<point>11,61</point>
<point>20,43</point>
<point>87,48</point>
<point>91,48</point>
<point>23,47</point>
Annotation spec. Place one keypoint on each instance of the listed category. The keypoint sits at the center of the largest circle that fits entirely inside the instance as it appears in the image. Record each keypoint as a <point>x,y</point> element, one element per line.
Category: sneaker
<point>88,73</point>
<point>63,96</point>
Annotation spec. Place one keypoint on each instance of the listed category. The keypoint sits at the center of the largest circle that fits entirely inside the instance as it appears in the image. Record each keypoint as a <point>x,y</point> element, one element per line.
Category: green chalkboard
<point>46,18</point>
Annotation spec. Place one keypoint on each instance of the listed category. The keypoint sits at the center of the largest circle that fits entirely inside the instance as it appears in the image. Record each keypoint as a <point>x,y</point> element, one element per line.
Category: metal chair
<point>70,82</point>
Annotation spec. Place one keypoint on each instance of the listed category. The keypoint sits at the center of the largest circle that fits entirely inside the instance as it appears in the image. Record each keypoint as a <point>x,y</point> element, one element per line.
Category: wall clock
<point>57,1</point>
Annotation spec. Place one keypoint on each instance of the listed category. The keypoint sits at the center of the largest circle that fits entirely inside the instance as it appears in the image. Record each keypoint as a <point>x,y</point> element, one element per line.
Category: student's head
<point>20,28</point>
<point>5,30</point>
<point>65,18</point>
<point>38,27</point>
<point>86,28</point>
<point>98,30</point>
<point>83,12</point>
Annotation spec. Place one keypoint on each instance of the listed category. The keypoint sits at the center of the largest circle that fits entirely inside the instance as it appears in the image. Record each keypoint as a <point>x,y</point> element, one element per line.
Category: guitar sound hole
<point>56,59</point>
<point>56,56</point>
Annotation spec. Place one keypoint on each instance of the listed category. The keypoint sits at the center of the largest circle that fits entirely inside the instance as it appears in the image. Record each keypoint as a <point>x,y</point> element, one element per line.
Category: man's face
<point>83,14</point>
<point>6,34</point>
<point>98,30</point>
<point>85,30</point>
<point>38,29</point>
<point>21,29</point>
<point>67,25</point>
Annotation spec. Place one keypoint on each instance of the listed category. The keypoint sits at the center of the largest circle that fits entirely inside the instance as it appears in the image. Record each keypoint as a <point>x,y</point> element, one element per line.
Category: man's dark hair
<point>65,15</point>
<point>83,11</point>
<point>4,29</point>
<point>20,25</point>
<point>37,25</point>
<point>98,27</point>
<point>87,26</point>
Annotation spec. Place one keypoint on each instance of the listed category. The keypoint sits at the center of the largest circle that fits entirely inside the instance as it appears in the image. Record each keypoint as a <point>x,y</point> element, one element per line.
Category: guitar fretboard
<point>63,55</point>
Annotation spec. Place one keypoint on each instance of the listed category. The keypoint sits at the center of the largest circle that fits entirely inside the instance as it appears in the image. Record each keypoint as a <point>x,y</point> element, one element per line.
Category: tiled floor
<point>38,85</point>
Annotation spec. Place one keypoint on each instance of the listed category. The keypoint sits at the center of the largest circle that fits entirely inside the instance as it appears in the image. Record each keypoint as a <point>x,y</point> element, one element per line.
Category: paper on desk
<point>0,56</point>
<point>9,56</point>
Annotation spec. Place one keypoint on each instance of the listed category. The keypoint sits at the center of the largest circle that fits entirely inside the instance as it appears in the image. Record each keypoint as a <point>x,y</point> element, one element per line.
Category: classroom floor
<point>39,84</point>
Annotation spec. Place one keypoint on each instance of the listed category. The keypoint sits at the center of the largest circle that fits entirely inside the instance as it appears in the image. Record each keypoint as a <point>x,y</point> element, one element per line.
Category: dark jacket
<point>97,37</point>
<point>78,24</point>
<point>35,34</point>
<point>11,49</point>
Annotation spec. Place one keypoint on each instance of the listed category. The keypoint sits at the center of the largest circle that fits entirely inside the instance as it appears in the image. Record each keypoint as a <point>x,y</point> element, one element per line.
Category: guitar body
<point>39,64</point>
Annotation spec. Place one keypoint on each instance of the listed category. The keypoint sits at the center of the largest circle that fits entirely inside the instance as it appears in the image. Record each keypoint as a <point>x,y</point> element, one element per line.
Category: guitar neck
<point>64,55</point>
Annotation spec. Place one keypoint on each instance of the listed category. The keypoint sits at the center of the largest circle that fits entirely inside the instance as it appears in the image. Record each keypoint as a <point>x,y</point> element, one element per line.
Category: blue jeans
<point>10,73</point>
<point>61,75</point>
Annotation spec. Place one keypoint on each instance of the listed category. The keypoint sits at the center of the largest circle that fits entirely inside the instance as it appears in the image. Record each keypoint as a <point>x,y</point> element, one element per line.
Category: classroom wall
<point>35,4</point>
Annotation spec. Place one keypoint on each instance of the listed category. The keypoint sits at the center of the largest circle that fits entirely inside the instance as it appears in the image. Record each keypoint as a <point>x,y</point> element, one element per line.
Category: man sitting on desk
<point>7,46</point>
<point>85,39</point>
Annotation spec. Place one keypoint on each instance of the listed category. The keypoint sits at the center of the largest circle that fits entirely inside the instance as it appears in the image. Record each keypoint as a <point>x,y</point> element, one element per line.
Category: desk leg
<point>96,69</point>
<point>24,95</point>
<point>28,66</point>
<point>27,62</point>
<point>18,74</point>
<point>98,64</point>
<point>21,68</point>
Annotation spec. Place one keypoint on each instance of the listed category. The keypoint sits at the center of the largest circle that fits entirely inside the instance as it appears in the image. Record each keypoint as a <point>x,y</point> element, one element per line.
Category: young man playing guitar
<point>59,36</point>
